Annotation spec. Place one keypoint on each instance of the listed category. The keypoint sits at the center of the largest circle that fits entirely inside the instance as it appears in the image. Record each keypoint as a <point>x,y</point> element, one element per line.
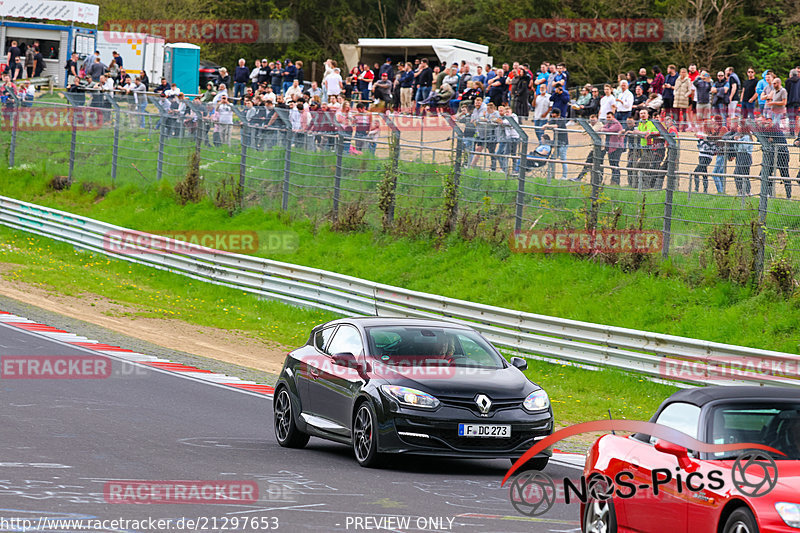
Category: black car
<point>409,386</point>
<point>209,72</point>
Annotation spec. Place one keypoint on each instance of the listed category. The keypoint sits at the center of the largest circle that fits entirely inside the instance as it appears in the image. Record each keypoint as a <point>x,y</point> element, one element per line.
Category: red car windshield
<point>776,425</point>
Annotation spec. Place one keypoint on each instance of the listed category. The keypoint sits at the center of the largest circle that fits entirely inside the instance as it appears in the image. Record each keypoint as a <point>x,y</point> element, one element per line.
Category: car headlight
<point>790,512</point>
<point>536,401</point>
<point>410,397</point>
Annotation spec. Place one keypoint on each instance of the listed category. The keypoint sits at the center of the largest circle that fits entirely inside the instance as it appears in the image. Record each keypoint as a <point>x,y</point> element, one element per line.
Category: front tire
<point>599,516</point>
<point>741,521</point>
<point>537,463</point>
<point>286,431</point>
<point>365,436</point>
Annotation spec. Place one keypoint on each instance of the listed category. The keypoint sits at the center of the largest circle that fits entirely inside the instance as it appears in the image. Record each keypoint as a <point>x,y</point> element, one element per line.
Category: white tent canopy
<point>50,10</point>
<point>447,51</point>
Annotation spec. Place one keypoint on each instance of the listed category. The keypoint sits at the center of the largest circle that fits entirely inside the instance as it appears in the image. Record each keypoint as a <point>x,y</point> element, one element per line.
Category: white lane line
<point>116,355</point>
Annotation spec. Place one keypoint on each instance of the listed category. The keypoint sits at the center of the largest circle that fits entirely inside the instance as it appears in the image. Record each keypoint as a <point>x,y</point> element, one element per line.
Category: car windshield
<point>776,425</point>
<point>427,346</point>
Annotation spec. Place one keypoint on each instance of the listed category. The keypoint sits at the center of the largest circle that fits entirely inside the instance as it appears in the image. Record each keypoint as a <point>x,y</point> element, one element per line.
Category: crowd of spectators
<point>721,109</point>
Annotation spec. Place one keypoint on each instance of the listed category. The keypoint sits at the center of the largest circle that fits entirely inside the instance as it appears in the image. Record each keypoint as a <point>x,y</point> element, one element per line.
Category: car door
<point>647,511</point>
<point>333,387</point>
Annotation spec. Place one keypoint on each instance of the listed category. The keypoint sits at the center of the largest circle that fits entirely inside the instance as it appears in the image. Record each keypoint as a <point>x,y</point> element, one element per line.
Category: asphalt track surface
<point>63,440</point>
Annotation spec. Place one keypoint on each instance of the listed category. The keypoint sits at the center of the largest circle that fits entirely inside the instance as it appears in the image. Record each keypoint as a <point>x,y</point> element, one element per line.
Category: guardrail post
<point>14,127</point>
<point>767,164</point>
<point>337,177</point>
<point>672,158</point>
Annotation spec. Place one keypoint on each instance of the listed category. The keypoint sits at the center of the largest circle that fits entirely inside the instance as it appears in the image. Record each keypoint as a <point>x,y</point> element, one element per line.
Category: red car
<point>657,486</point>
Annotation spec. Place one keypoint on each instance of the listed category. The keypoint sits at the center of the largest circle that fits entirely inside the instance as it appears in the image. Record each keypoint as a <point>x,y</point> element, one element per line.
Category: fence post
<point>245,137</point>
<point>115,147</point>
<point>519,201</point>
<point>14,127</point>
<point>394,155</point>
<point>162,128</point>
<point>458,162</point>
<point>767,165</point>
<point>337,176</point>
<point>672,157</point>
<point>73,143</point>
<point>596,173</point>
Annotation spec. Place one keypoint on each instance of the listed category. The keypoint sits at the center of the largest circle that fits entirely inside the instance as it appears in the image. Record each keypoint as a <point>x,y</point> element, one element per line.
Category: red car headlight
<point>789,512</point>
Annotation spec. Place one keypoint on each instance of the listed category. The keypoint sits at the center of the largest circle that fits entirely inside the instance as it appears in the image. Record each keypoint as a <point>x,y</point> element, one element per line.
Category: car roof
<point>700,396</point>
<point>372,321</point>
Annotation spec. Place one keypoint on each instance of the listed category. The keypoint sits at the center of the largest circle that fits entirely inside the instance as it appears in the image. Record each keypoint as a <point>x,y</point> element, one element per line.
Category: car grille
<point>469,403</point>
<point>445,436</point>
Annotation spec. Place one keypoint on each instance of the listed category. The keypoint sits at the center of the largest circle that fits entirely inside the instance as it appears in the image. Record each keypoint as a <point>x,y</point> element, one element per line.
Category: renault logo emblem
<point>483,402</point>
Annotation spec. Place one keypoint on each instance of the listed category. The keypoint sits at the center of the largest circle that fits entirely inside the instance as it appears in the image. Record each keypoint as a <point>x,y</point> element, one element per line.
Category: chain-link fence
<point>399,169</point>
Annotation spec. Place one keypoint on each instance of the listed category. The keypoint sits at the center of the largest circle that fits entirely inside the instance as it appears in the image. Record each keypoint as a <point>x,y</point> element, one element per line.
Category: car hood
<point>504,383</point>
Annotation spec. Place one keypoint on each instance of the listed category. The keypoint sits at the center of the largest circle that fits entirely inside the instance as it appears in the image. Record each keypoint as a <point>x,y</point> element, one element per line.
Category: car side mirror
<point>519,362</point>
<point>679,452</point>
<point>344,359</point>
<point>349,360</point>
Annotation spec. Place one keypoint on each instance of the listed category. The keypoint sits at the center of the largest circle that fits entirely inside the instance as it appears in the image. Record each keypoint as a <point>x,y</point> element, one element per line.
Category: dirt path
<point>229,346</point>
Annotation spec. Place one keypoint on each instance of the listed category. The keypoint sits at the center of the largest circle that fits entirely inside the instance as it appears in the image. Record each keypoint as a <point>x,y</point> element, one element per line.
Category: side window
<point>322,337</point>
<point>684,417</point>
<point>346,340</point>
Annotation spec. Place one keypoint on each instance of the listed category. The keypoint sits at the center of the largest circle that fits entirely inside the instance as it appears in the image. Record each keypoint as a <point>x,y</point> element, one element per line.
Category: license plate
<point>484,430</point>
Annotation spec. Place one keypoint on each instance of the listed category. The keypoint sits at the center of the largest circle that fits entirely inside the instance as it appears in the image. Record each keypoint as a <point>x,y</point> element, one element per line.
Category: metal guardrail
<point>524,333</point>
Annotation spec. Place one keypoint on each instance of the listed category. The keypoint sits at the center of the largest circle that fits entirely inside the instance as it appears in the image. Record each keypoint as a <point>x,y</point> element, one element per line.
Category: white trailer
<point>140,52</point>
<point>446,51</point>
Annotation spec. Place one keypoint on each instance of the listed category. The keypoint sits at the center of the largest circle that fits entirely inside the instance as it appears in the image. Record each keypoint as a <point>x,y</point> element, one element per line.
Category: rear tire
<point>365,436</point>
<point>741,521</point>
<point>286,431</point>
<point>537,463</point>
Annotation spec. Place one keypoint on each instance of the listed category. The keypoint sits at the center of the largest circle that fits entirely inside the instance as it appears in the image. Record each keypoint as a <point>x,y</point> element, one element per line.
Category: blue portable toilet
<point>182,66</point>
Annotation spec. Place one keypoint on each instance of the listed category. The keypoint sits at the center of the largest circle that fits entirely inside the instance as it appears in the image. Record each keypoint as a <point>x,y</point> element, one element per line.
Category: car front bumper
<point>410,431</point>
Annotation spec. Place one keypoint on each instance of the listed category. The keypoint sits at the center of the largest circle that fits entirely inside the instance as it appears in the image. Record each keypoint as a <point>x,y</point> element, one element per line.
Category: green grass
<point>694,304</point>
<point>147,292</point>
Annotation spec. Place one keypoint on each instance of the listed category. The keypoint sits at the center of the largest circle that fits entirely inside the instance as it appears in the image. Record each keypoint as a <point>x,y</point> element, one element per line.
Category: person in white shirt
<point>329,67</point>
<point>624,102</point>
<point>173,91</point>
<point>508,146</point>
<point>223,91</point>
<point>224,118</point>
<point>608,103</point>
<point>334,84</point>
<point>541,112</point>
<point>254,75</point>
<point>295,92</point>
<point>269,96</point>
